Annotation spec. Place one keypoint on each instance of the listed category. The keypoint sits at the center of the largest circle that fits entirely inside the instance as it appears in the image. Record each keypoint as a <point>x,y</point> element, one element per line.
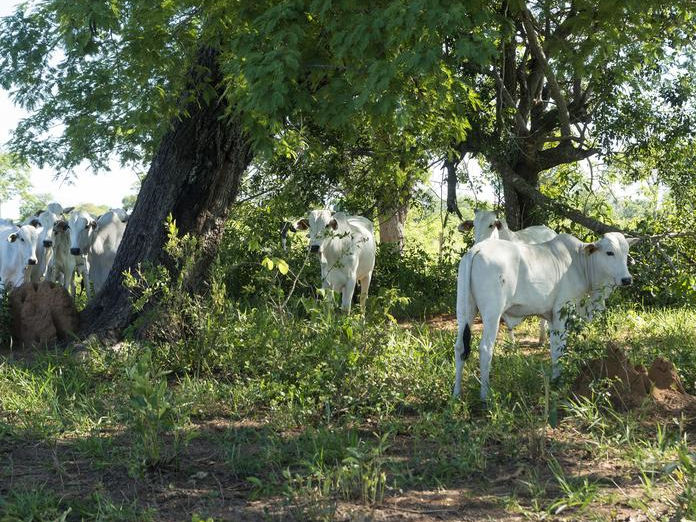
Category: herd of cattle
<point>57,243</point>
<point>506,275</point>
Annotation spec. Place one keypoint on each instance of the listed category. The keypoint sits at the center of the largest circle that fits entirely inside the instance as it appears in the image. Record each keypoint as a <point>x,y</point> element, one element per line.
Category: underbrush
<point>321,409</point>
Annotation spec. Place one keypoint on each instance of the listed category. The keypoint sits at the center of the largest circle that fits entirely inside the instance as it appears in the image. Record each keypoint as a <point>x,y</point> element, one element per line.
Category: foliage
<point>152,414</point>
<point>14,178</point>
<point>5,319</point>
<point>32,203</point>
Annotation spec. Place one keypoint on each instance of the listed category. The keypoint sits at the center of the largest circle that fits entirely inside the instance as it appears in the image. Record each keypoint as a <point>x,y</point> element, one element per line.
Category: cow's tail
<point>466,307</point>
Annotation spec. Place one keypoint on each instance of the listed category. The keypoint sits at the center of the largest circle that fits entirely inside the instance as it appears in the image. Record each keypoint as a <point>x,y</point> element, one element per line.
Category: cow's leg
<point>490,332</point>
<point>542,331</point>
<point>364,288</point>
<point>462,345</point>
<point>558,339</point>
<point>511,332</point>
<point>347,294</point>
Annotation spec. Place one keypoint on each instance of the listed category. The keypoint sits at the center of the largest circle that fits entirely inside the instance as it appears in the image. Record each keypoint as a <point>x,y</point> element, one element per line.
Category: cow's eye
<point>491,226</point>
<point>610,253</point>
<point>21,239</point>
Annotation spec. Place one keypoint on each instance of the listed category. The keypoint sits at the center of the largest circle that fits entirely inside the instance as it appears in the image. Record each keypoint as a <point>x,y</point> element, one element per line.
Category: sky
<point>87,186</point>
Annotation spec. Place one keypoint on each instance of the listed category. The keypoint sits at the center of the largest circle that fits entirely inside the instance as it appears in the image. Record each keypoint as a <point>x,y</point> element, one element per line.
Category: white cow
<point>516,280</point>
<point>346,248</point>
<point>96,241</point>
<point>487,225</point>
<point>64,264</point>
<point>81,225</point>
<point>47,219</point>
<point>105,240</point>
<point>17,252</point>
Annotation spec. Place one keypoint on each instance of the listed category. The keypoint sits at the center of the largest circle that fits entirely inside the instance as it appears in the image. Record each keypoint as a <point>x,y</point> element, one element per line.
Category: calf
<point>64,264</point>
<point>516,280</point>
<point>17,252</point>
<point>346,249</point>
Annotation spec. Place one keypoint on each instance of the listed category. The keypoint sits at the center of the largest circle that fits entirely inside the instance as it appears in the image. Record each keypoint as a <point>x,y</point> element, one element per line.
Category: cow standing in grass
<point>486,224</point>
<point>515,280</point>
<point>346,249</point>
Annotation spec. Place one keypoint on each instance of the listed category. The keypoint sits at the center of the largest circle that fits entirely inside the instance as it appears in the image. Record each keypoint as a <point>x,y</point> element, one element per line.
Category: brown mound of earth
<point>41,314</point>
<point>630,385</point>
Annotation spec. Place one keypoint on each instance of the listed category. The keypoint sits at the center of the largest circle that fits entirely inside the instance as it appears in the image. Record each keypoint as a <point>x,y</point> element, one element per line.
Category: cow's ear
<point>68,210</point>
<point>497,224</point>
<point>591,248</point>
<point>302,224</point>
<point>465,225</point>
<point>632,240</point>
<point>35,223</point>
<point>12,238</point>
<point>333,224</point>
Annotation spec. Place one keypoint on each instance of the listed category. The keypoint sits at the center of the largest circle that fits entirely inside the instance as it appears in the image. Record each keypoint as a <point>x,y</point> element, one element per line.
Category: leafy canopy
<point>110,76</point>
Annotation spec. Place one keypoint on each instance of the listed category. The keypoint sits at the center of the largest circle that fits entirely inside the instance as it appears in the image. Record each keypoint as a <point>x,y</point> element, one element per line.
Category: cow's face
<point>321,226</point>
<point>609,257</point>
<point>25,240</point>
<point>486,225</point>
<point>81,227</point>
<point>48,220</point>
<point>61,232</point>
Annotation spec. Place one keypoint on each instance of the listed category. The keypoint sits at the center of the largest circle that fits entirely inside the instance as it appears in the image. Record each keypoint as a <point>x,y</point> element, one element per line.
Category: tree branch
<point>528,22</point>
<point>562,209</point>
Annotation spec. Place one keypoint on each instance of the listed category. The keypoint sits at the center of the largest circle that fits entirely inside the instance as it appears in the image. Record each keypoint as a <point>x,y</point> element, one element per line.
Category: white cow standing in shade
<point>346,249</point>
<point>18,245</point>
<point>486,225</point>
<point>95,242</point>
<point>515,280</point>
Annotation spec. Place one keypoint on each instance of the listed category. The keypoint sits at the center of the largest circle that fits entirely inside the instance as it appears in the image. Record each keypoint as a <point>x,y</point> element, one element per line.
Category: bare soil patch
<point>658,388</point>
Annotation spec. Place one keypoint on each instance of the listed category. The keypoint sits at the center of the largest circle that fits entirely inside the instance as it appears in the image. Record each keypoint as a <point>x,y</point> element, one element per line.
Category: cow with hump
<point>486,225</point>
<point>515,280</point>
<point>346,249</point>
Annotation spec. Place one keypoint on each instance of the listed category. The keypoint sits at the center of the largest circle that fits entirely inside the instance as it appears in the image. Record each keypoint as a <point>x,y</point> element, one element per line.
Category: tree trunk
<point>391,226</point>
<point>521,211</point>
<point>194,176</point>
<point>452,205</point>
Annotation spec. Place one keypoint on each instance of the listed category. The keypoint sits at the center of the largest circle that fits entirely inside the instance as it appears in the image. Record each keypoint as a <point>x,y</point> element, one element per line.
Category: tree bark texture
<point>195,177</point>
<point>391,226</point>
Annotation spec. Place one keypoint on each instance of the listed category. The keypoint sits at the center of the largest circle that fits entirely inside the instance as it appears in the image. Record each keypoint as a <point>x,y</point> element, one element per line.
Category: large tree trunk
<point>391,226</point>
<point>521,211</point>
<point>195,177</point>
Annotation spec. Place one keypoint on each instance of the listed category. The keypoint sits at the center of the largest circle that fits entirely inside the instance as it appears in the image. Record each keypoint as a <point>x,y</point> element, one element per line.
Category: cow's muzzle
<point>625,281</point>
<point>31,262</point>
<point>47,243</point>
<point>314,249</point>
<point>75,251</point>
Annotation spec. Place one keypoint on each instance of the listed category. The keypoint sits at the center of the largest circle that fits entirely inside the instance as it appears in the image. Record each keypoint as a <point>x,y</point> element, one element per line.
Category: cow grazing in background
<point>18,246</point>
<point>486,224</point>
<point>515,280</point>
<point>346,249</point>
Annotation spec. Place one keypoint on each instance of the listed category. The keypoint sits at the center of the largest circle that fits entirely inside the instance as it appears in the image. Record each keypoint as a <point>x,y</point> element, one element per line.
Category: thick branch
<point>525,188</point>
<point>527,20</point>
<point>562,154</point>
